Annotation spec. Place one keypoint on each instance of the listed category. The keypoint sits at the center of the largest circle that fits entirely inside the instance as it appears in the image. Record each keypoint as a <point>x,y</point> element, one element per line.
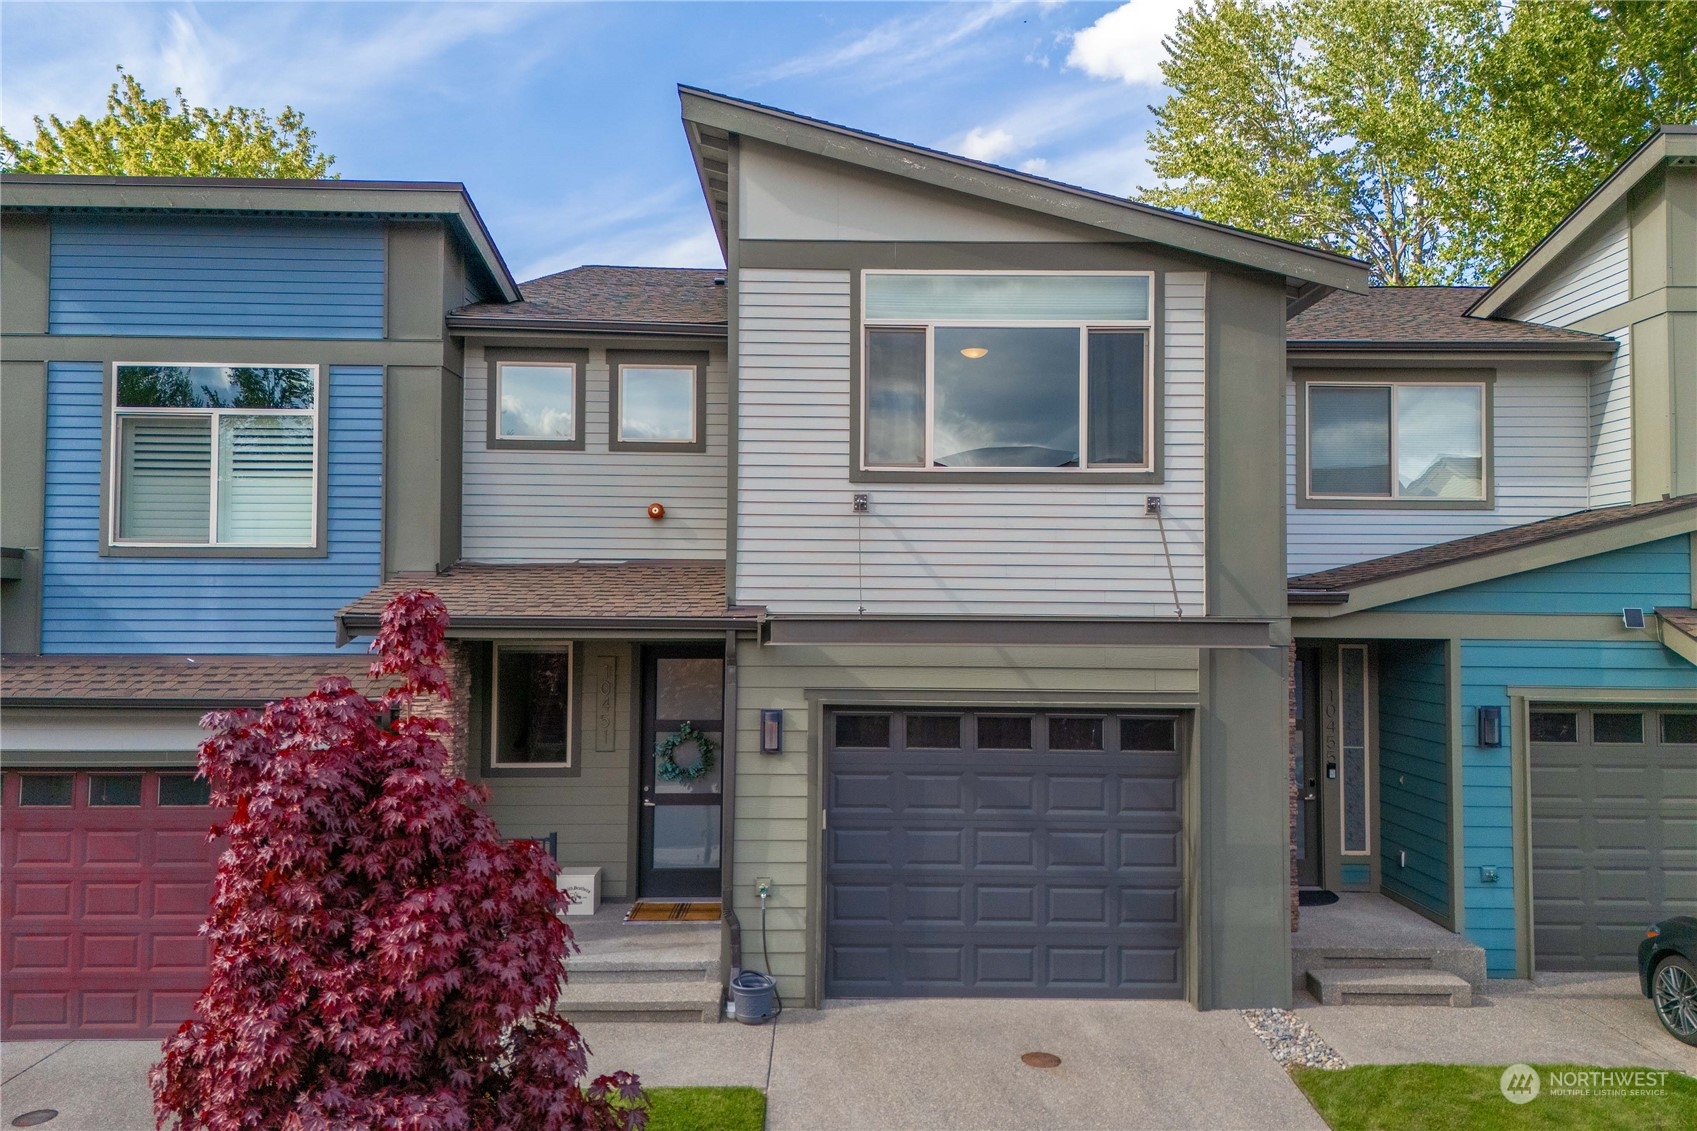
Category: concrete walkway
<point>1594,1019</point>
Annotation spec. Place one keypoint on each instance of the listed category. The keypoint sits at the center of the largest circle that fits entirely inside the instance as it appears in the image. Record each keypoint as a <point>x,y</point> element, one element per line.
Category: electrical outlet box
<point>763,887</point>
<point>1487,875</point>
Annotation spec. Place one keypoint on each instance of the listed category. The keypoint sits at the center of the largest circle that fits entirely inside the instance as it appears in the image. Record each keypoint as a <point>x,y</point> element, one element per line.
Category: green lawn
<point>1442,1097</point>
<point>706,1109</point>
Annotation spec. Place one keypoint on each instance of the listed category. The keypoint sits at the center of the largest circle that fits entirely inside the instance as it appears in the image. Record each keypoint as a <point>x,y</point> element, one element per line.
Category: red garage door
<point>108,877</point>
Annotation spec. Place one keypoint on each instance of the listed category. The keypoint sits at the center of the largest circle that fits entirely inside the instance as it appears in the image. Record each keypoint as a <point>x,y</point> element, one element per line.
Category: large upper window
<point>215,455</point>
<point>1027,372</point>
<point>1396,441</point>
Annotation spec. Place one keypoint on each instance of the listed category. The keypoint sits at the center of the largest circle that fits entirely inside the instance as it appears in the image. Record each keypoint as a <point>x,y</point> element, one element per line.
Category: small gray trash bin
<point>755,996</point>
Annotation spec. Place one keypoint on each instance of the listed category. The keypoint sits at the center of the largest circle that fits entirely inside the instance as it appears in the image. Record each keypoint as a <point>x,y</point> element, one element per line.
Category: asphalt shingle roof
<point>483,593</point>
<point>1344,578</point>
<point>173,681</point>
<point>1420,316</point>
<point>675,296</point>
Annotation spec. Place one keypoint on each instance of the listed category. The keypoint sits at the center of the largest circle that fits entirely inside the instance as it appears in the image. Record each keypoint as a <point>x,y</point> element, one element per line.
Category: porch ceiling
<point>561,595</point>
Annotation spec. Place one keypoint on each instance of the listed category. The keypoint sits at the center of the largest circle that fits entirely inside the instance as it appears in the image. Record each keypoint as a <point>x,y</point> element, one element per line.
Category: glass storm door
<point>679,828</point>
<point>1308,809</point>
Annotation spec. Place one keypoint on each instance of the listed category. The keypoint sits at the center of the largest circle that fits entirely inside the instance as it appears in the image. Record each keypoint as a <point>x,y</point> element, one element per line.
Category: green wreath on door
<point>665,754</point>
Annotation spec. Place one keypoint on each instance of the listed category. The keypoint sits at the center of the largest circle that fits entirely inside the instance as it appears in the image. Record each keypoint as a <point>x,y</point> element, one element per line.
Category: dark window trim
<point>1069,477</point>
<point>109,476</point>
<point>493,359</point>
<point>1393,377</point>
<point>637,359</point>
<point>488,767</point>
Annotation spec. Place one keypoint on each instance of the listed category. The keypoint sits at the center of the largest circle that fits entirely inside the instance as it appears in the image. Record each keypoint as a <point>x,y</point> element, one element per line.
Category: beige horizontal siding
<point>953,546</point>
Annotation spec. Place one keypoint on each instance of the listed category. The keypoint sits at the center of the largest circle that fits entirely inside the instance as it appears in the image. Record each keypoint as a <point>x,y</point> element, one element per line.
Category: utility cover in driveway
<point>108,877</point>
<point>1002,855</point>
<point>1614,830</point>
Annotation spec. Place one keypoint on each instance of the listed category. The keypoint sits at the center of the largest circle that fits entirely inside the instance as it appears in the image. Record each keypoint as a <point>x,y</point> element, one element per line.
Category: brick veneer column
<point>456,712</point>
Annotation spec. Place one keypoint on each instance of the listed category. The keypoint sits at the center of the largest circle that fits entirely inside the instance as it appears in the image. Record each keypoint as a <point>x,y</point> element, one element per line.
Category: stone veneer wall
<point>456,712</point>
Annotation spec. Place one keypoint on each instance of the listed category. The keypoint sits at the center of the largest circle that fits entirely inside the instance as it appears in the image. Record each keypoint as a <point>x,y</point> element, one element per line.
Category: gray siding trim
<point>23,487</point>
<point>233,351</point>
<point>618,358</point>
<point>493,359</point>
<point>26,254</point>
<point>732,245</point>
<point>1121,632</point>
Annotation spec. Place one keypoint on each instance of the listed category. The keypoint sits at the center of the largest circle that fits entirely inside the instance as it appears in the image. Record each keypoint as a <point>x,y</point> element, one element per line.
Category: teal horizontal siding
<point>201,277</point>
<point>189,605</point>
<point>1656,573</point>
<point>1489,669</point>
<point>1414,774</point>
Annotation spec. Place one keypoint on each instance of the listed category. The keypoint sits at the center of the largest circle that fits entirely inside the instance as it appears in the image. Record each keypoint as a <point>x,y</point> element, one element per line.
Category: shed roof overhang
<point>446,201</point>
<point>711,119</point>
<point>1670,143</point>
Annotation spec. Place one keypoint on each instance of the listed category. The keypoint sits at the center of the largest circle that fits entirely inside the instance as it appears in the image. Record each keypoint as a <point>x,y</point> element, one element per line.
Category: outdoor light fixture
<point>974,352</point>
<point>771,730</point>
<point>1490,726</point>
<point>1632,618</point>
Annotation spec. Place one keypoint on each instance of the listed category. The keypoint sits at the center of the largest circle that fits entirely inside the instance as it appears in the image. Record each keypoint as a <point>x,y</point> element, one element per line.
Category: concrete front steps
<point>1370,950</point>
<point>1344,986</point>
<point>643,971</point>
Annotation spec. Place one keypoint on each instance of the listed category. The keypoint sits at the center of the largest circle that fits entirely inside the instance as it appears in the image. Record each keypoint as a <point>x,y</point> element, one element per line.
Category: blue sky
<point>562,118</point>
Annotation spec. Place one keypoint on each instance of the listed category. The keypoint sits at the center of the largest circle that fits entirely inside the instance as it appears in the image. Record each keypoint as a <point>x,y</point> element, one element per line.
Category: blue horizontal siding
<point>1656,573</point>
<point>1414,774</point>
<point>191,605</point>
<point>201,277</point>
<point>1489,669</point>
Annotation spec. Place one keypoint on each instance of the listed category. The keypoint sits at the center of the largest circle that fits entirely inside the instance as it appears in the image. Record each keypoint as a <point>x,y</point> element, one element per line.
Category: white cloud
<point>1126,43</point>
<point>982,144</point>
<point>898,48</point>
<point>1035,165</point>
<point>611,223</point>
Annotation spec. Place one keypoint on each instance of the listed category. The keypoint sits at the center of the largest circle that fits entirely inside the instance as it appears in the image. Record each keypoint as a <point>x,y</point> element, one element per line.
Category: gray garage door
<point>1614,830</point>
<point>1020,855</point>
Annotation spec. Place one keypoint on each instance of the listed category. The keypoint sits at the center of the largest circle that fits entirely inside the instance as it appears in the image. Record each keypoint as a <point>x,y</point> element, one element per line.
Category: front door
<point>683,695</point>
<point>1308,807</point>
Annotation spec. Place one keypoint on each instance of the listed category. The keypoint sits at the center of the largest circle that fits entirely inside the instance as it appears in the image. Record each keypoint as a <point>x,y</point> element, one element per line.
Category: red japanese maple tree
<point>380,958</point>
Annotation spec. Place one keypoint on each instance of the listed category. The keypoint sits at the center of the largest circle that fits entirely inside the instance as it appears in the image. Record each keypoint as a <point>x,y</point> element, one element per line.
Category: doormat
<point>661,911</point>
<point>1315,897</point>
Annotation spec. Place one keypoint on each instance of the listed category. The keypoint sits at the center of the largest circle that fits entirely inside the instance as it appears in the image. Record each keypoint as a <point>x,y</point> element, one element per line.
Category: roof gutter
<point>1317,596</point>
<point>1602,348</point>
<point>352,624</point>
<point>509,324</point>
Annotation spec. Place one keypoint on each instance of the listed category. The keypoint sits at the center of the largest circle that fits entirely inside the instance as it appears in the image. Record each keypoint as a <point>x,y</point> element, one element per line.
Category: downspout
<point>732,930</point>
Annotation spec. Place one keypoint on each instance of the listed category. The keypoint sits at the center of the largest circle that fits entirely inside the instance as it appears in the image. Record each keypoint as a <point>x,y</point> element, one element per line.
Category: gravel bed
<point>1290,1040</point>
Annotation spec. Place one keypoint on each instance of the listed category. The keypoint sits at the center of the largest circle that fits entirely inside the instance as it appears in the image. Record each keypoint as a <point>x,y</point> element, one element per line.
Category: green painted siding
<point>773,819</point>
<point>1655,573</point>
<point>1414,774</point>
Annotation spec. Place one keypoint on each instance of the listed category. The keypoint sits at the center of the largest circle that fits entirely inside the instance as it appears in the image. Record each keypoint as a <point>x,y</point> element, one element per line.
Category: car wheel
<point>1674,990</point>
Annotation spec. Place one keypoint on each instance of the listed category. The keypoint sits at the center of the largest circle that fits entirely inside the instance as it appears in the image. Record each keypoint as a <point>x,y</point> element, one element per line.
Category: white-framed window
<point>1396,440</point>
<point>215,455</point>
<point>532,712</point>
<point>1007,371</point>
<point>656,404</point>
<point>537,401</point>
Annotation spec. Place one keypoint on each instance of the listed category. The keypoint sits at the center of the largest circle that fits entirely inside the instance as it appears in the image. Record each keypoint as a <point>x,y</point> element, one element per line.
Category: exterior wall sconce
<point>656,511</point>
<point>771,730</point>
<point>1490,726</point>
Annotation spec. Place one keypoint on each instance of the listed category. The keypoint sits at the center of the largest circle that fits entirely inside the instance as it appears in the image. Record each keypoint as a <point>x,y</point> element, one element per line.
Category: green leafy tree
<point>148,137</point>
<point>1437,141</point>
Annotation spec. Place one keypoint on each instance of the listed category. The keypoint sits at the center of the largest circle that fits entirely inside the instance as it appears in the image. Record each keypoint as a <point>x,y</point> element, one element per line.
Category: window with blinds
<point>216,455</point>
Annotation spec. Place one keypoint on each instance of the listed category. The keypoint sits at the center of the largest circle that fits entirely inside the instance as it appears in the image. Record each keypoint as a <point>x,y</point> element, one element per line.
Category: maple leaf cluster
<point>380,957</point>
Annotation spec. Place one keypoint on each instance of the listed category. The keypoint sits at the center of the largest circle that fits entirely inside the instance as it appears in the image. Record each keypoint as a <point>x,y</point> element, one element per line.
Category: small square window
<point>1617,726</point>
<point>45,790</point>
<point>536,401</point>
<point>656,404</point>
<point>933,732</point>
<point>1074,734</point>
<point>533,708</point>
<point>1555,726</point>
<point>1004,732</point>
<point>184,789</point>
<point>865,731</point>
<point>114,790</point>
<point>1680,728</point>
<point>1144,735</point>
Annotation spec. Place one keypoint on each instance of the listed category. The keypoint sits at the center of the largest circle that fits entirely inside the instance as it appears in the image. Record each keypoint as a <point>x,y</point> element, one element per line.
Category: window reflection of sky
<point>537,401</point>
<point>1017,406</point>
<point>1439,442</point>
<point>1440,452</point>
<point>657,404</point>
